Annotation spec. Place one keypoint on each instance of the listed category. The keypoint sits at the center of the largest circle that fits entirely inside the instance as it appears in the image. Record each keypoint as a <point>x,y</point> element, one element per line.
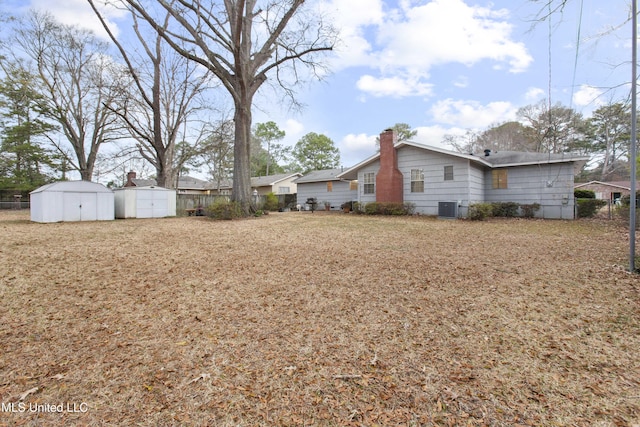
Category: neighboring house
<point>277,184</point>
<point>442,182</point>
<point>133,181</point>
<point>610,191</point>
<point>325,186</point>
<point>186,185</point>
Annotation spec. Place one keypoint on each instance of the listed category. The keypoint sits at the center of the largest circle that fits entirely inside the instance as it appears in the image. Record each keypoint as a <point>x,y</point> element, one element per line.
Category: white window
<point>417,181</point>
<point>283,190</point>
<point>369,183</point>
<point>448,173</point>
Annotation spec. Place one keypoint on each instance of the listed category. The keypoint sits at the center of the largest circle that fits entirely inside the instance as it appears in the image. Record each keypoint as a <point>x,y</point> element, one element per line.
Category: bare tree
<point>552,130</point>
<point>78,81</point>
<point>244,43</point>
<point>167,93</point>
<point>218,152</point>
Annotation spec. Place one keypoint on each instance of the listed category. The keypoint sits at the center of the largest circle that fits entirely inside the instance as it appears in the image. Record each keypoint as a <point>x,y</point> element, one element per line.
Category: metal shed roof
<point>73,187</point>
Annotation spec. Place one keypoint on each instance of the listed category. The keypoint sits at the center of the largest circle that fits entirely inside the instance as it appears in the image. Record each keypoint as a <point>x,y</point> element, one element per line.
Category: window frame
<point>500,179</point>
<point>369,183</point>
<point>448,173</point>
<point>417,180</point>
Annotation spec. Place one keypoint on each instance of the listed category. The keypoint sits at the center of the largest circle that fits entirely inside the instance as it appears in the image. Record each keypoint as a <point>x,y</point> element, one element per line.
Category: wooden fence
<point>193,201</point>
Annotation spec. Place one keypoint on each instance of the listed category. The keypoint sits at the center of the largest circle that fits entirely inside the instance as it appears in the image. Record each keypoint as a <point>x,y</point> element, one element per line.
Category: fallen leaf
<point>27,393</point>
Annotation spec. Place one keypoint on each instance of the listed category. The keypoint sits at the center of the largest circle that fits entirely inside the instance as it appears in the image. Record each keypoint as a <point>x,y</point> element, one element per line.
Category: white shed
<point>145,202</point>
<point>72,201</point>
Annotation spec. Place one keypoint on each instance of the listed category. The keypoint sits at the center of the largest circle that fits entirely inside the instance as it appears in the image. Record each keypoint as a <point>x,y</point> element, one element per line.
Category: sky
<point>445,67</point>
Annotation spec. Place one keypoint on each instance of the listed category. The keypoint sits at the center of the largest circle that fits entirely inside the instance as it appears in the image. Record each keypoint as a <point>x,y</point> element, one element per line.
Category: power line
<point>575,59</point>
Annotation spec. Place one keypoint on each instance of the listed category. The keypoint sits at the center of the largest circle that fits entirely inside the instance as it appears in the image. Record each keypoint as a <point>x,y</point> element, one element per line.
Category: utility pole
<point>632,156</point>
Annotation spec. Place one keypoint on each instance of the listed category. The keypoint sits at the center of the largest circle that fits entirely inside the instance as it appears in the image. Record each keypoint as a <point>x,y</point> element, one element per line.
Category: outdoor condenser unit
<point>448,209</point>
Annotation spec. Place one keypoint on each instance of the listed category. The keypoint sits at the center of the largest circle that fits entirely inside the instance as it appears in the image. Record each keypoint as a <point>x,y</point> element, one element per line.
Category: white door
<point>160,205</point>
<point>79,207</point>
<point>144,204</point>
<point>152,204</point>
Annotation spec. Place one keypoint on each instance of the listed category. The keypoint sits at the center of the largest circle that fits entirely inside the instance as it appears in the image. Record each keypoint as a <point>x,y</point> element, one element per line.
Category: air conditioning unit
<point>448,209</point>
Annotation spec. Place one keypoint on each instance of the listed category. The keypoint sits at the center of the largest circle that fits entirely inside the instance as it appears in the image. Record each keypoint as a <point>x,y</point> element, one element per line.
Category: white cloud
<point>534,94</point>
<point>352,19</point>
<point>395,87</point>
<point>447,31</point>
<point>79,13</point>
<point>587,95</point>
<point>472,114</point>
<point>360,141</point>
<point>355,148</point>
<point>412,38</point>
<point>293,127</point>
<point>435,135</point>
<point>461,81</point>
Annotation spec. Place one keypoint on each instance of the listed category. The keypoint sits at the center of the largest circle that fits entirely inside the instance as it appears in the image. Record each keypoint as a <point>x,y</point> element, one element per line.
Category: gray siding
<point>366,198</point>
<point>549,185</point>
<point>436,189</point>
<point>337,197</point>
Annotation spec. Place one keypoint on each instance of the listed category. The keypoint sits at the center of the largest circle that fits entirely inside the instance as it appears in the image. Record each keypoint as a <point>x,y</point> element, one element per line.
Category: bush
<point>479,211</point>
<point>626,199</point>
<point>587,208</point>
<point>385,208</point>
<point>347,205</point>
<point>224,209</point>
<point>271,202</point>
<point>528,211</point>
<point>504,209</point>
<point>584,194</point>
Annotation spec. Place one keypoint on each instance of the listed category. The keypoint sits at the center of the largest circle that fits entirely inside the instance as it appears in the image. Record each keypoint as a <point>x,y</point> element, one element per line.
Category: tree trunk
<point>241,157</point>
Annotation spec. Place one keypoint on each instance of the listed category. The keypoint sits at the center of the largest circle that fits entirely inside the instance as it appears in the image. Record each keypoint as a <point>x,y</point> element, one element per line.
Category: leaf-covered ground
<point>324,319</point>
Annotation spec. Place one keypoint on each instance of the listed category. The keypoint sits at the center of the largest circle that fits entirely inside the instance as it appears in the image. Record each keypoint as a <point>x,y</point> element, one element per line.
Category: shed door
<point>79,207</point>
<point>152,204</point>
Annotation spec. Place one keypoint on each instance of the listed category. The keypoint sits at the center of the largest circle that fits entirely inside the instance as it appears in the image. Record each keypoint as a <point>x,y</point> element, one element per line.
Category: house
<point>610,191</point>
<point>72,201</point>
<point>277,184</point>
<point>186,185</point>
<point>444,183</point>
<point>326,187</point>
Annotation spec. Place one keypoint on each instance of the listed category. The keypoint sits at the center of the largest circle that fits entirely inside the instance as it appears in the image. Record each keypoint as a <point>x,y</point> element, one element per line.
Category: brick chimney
<point>389,178</point>
<point>131,175</point>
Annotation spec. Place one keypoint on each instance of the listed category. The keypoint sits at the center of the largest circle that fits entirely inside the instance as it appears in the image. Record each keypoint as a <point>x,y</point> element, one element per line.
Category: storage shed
<point>145,202</point>
<point>72,201</point>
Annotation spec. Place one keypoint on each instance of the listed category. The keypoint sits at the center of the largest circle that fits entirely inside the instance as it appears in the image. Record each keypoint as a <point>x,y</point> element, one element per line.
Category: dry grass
<point>318,320</point>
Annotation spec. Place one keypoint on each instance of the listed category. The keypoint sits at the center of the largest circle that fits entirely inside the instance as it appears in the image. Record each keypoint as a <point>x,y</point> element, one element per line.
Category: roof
<point>495,159</point>
<point>148,188</point>
<point>320,176</point>
<point>139,182</point>
<point>267,181</point>
<point>522,158</point>
<point>625,185</point>
<point>73,187</point>
<point>190,183</point>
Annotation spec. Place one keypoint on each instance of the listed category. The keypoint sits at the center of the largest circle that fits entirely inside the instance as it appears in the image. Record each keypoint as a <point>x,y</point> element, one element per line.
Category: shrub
<point>528,211</point>
<point>479,211</point>
<point>504,209</point>
<point>626,199</point>
<point>271,202</point>
<point>347,205</point>
<point>224,209</point>
<point>588,207</point>
<point>584,194</point>
<point>385,208</point>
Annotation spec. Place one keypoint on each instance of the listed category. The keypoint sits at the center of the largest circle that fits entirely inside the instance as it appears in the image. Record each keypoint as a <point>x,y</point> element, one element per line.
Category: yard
<point>321,319</point>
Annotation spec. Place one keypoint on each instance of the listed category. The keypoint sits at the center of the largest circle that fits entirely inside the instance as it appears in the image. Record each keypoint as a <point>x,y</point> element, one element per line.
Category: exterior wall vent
<point>447,209</point>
